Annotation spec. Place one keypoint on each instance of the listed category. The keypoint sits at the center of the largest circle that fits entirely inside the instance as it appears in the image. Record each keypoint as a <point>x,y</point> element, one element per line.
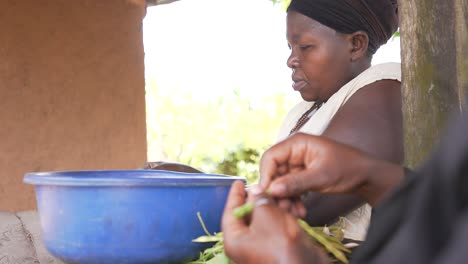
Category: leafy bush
<point>241,162</point>
<point>224,134</point>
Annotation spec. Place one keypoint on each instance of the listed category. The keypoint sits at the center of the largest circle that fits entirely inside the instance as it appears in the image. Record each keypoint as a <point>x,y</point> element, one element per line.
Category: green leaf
<point>219,259</point>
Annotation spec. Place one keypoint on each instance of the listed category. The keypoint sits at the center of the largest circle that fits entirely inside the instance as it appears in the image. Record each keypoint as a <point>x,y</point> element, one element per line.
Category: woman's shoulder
<point>371,77</point>
<point>395,66</point>
<point>381,82</point>
<point>371,119</point>
<point>383,71</point>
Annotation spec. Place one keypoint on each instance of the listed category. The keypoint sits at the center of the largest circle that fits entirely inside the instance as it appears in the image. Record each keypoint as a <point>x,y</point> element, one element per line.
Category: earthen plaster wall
<point>71,90</point>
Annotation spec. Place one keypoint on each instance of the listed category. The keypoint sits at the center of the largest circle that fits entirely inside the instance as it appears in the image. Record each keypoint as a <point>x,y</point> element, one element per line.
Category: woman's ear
<point>359,43</point>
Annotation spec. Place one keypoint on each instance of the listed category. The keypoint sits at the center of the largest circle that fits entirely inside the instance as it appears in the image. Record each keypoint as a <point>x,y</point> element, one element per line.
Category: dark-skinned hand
<point>269,235</point>
<point>304,163</point>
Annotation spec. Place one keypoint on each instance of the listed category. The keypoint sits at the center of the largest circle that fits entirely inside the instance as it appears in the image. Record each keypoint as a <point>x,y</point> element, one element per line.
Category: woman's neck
<point>360,66</point>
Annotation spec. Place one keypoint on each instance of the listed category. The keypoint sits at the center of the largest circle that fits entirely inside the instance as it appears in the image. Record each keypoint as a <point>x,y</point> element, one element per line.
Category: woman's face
<point>320,57</point>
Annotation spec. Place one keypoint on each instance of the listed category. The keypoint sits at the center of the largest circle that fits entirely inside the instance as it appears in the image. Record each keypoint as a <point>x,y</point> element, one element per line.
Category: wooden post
<point>434,41</point>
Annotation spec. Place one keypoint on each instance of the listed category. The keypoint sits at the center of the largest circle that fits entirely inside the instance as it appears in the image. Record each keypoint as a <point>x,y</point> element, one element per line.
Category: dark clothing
<point>426,219</point>
<point>378,18</point>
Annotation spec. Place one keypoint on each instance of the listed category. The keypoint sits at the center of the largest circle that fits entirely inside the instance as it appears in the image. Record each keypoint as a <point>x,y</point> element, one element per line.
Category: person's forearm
<point>379,178</point>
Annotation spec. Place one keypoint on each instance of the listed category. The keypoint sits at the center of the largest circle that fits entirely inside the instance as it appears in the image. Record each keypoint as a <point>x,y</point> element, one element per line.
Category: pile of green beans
<point>330,240</point>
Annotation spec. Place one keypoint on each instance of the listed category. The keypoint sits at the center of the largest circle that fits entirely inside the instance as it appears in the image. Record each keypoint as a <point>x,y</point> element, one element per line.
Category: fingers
<point>235,199</point>
<point>265,209</point>
<point>273,163</point>
<point>294,184</point>
<point>285,204</point>
<point>258,197</point>
<point>285,157</point>
<point>291,205</point>
<point>297,208</point>
<point>257,243</point>
<point>300,209</point>
<point>294,206</point>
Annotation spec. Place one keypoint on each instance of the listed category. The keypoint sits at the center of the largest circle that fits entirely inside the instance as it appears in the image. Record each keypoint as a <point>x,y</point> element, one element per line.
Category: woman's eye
<point>305,47</point>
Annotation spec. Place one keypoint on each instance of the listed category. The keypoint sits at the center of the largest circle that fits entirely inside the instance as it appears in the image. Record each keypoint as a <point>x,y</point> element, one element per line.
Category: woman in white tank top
<point>345,99</point>
<point>356,222</point>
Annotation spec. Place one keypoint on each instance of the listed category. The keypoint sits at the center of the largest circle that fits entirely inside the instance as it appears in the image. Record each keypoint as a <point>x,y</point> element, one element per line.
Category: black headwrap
<point>378,18</point>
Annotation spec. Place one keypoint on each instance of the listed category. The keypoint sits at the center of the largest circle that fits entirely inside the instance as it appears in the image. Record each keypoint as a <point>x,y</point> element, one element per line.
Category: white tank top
<point>355,223</point>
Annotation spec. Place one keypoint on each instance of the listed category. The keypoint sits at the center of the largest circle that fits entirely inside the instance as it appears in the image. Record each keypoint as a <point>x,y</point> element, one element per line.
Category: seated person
<point>345,99</point>
<point>420,217</point>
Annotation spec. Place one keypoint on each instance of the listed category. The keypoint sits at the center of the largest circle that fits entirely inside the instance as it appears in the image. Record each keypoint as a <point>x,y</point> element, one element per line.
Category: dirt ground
<point>20,240</point>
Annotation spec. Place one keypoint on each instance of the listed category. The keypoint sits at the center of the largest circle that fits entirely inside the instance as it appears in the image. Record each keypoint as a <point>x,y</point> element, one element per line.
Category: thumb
<point>231,224</point>
<point>291,185</point>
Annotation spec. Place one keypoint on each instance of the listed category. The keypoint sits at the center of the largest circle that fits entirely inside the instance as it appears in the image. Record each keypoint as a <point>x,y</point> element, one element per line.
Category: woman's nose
<point>293,61</point>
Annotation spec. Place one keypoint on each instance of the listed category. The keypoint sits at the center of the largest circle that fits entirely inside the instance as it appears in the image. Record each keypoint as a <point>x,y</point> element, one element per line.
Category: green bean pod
<point>243,210</point>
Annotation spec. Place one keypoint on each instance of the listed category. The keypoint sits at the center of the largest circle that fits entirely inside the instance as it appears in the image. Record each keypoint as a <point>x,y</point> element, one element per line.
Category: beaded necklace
<point>305,117</point>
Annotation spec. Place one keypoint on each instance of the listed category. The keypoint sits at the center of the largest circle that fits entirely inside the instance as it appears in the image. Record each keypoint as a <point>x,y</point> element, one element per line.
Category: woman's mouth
<point>298,85</point>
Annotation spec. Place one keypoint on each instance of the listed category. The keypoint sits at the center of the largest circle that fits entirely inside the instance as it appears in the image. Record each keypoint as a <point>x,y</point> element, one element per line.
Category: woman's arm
<point>371,121</point>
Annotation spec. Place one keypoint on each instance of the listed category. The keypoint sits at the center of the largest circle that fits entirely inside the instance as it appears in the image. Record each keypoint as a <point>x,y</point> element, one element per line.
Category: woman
<point>345,99</point>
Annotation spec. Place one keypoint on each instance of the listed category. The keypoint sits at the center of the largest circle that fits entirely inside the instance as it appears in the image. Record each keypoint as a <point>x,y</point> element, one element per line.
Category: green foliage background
<point>225,134</point>
<point>284,3</point>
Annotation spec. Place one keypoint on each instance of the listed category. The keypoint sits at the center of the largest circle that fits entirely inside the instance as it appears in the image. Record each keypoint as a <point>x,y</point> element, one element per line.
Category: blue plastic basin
<point>135,216</point>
